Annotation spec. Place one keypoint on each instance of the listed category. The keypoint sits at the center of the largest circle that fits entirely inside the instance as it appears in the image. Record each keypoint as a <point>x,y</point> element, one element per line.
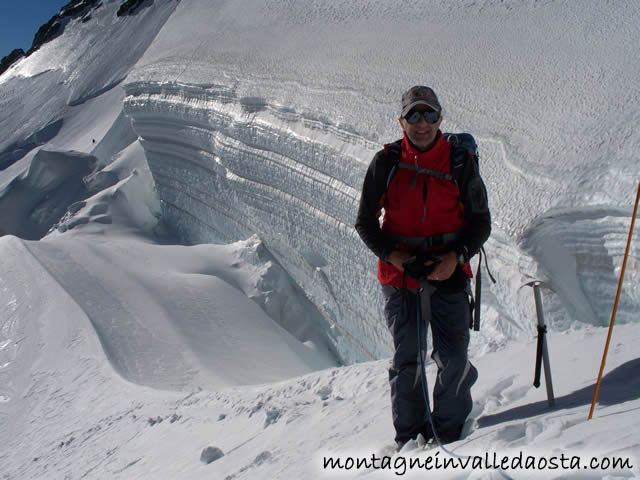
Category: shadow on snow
<point>618,386</point>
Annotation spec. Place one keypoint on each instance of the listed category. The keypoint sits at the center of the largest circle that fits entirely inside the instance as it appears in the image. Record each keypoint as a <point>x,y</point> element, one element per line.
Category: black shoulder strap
<point>459,156</point>
<point>394,153</point>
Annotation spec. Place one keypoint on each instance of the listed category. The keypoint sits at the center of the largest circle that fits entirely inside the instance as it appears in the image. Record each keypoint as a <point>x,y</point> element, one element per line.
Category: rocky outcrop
<point>55,26</point>
<point>129,7</point>
<point>10,59</point>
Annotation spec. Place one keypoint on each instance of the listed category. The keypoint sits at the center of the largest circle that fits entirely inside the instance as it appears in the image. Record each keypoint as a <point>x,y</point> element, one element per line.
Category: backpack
<point>463,148</point>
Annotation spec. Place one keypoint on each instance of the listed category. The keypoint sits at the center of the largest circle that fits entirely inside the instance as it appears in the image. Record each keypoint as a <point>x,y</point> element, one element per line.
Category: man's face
<point>421,134</point>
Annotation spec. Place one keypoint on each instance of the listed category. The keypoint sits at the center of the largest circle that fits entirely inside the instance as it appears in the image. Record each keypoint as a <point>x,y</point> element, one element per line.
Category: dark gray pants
<point>448,315</point>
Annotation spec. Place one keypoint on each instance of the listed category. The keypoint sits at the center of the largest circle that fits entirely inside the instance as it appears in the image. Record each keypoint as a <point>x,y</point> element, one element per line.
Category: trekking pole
<point>542,350</point>
<point>615,304</point>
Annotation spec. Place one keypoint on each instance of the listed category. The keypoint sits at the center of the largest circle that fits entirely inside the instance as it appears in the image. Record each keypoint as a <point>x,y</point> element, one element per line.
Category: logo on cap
<point>419,95</point>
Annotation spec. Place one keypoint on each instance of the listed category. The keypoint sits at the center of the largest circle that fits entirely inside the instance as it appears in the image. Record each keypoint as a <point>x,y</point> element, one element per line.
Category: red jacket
<point>434,206</point>
<point>420,205</point>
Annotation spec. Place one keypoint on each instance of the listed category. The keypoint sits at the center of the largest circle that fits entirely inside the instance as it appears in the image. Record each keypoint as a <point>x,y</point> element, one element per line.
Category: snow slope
<point>40,92</point>
<point>246,128</point>
<point>79,416</point>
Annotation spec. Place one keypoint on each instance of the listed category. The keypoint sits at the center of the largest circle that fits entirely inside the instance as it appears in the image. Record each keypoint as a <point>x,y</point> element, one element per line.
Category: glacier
<point>255,121</point>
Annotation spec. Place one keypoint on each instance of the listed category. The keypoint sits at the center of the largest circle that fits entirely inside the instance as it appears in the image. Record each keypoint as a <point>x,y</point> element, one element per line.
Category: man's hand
<point>398,258</point>
<point>444,269</point>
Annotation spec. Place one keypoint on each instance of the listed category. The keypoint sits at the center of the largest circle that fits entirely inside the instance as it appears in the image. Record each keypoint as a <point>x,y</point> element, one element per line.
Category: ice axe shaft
<point>542,354</point>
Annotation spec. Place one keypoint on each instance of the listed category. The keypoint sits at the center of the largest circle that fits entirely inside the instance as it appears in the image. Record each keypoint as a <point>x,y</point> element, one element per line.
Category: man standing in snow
<point>434,222</point>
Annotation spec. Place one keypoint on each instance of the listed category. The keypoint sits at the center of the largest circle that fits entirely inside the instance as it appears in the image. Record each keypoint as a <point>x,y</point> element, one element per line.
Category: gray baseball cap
<point>419,95</point>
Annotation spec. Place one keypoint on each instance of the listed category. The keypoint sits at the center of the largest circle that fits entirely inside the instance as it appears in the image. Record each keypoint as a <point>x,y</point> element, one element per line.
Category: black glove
<point>415,267</point>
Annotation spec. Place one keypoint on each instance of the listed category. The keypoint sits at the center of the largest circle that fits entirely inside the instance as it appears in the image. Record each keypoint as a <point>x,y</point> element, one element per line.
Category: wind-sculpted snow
<point>34,201</point>
<point>581,254</point>
<point>224,171</point>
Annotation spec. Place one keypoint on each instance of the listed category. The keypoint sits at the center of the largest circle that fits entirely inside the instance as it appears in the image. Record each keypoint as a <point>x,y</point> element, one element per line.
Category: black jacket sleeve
<point>373,189</point>
<point>477,218</point>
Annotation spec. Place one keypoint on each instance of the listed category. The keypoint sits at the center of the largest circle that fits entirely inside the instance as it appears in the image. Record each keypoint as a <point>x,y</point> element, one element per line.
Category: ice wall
<point>228,167</point>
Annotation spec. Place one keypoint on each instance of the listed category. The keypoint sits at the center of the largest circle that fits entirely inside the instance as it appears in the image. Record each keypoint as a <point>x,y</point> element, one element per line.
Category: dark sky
<point>20,20</point>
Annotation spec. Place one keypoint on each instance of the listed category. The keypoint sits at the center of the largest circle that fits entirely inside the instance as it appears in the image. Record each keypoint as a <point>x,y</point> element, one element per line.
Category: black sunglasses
<point>430,116</point>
